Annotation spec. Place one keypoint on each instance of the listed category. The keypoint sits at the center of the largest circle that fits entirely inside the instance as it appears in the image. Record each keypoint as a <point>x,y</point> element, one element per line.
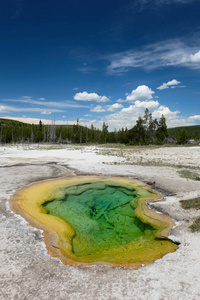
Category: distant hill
<point>10,122</point>
<point>12,131</point>
<point>192,131</point>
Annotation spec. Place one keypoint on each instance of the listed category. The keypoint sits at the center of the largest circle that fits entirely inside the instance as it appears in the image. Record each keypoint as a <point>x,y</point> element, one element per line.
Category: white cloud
<point>162,54</point>
<point>85,96</point>
<point>195,57</point>
<point>121,100</point>
<point>4,109</point>
<point>50,104</point>
<point>142,92</point>
<point>128,110</point>
<point>146,104</point>
<point>196,117</point>
<point>45,112</point>
<point>178,86</point>
<point>42,99</point>
<point>115,106</point>
<point>8,109</point>
<point>128,116</point>
<point>171,84</point>
<point>140,106</point>
<point>97,109</point>
<point>164,110</point>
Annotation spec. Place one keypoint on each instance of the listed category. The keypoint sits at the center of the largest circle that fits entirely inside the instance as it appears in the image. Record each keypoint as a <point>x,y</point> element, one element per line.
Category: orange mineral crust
<point>97,220</point>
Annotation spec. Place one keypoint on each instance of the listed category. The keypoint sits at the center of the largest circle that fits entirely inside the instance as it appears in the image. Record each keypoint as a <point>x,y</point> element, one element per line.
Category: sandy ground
<point>28,272</point>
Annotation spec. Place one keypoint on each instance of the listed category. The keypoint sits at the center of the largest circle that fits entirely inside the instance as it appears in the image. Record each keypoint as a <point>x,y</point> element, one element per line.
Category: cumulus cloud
<point>195,57</point>
<point>128,116</point>
<point>140,106</point>
<point>142,92</point>
<point>153,56</point>
<point>115,106</point>
<point>85,96</point>
<point>97,109</point>
<point>125,118</point>
<point>171,84</point>
<point>195,118</point>
<point>121,100</point>
<point>147,104</point>
<point>164,110</point>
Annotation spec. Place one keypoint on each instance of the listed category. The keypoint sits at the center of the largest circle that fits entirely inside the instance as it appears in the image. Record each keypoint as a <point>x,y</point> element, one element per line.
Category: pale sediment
<point>27,272</point>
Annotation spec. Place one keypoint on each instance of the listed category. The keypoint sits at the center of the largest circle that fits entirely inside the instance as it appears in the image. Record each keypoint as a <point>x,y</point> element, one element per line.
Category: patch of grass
<point>189,175</point>
<point>192,203</point>
<point>195,226</point>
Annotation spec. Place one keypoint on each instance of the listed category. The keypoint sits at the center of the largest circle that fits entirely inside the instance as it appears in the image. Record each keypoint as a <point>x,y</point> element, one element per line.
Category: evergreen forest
<point>146,131</point>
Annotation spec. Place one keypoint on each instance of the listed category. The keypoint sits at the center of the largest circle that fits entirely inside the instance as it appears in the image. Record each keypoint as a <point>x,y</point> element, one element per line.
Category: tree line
<point>146,131</point>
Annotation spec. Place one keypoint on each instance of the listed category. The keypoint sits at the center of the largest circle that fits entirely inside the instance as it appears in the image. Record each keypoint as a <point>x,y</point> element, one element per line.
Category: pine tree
<point>139,130</point>
<point>162,132</point>
<point>104,132</point>
<point>183,136</point>
<point>1,134</point>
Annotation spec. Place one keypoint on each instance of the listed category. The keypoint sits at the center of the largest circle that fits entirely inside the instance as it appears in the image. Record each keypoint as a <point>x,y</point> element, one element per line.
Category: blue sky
<point>100,61</point>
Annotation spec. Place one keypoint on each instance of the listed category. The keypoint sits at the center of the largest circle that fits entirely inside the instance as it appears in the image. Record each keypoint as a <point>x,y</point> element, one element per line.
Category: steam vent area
<point>97,220</point>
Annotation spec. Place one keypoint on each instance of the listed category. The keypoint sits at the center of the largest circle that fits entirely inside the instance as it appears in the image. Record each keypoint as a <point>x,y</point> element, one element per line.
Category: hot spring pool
<point>97,220</point>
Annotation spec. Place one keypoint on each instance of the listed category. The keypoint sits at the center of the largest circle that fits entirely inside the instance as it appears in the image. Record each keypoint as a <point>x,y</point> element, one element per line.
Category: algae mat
<point>96,220</point>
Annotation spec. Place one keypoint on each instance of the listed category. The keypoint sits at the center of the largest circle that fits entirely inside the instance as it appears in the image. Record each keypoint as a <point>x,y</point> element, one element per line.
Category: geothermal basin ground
<point>29,272</point>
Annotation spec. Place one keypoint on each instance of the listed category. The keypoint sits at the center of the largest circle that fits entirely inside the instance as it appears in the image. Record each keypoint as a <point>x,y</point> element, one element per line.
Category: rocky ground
<point>28,272</point>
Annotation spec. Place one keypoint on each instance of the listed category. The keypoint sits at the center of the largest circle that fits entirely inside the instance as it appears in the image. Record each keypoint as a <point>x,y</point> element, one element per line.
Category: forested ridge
<point>146,131</point>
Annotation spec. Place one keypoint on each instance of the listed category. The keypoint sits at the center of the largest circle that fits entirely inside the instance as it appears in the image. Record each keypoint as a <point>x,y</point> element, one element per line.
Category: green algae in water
<point>101,215</point>
<point>96,220</point>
